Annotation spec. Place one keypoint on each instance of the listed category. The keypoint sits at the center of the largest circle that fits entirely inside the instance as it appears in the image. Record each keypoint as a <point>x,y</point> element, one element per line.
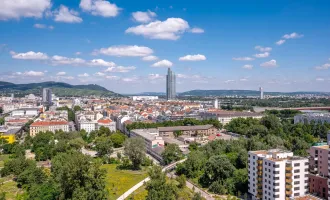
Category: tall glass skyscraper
<point>170,85</point>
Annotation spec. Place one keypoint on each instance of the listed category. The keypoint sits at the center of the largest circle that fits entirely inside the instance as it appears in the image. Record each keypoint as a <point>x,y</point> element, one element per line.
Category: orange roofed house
<point>52,126</point>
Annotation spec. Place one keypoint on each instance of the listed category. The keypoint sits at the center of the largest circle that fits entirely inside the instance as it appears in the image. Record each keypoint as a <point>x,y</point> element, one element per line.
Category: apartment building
<point>52,126</point>
<point>309,117</point>
<point>277,175</point>
<point>318,170</point>
<point>225,117</point>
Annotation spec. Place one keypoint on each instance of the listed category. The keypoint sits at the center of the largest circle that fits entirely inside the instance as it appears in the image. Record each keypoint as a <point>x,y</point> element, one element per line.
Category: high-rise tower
<point>170,85</point>
<point>261,93</point>
<point>47,96</point>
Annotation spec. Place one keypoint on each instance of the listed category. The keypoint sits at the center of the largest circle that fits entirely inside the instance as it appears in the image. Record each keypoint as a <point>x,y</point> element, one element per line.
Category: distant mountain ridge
<point>58,88</point>
<point>243,93</point>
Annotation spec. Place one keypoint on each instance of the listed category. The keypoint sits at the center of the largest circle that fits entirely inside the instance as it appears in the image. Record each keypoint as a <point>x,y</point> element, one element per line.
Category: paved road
<point>135,187</point>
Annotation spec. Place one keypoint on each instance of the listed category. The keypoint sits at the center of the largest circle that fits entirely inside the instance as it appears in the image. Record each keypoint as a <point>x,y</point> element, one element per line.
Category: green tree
<point>217,168</point>
<point>171,153</point>
<point>271,122</point>
<point>134,149</point>
<point>103,146</point>
<point>158,188</point>
<point>76,108</point>
<point>197,196</point>
<point>46,191</point>
<point>78,176</point>
<point>177,133</point>
<point>16,166</point>
<point>117,139</point>
<point>30,176</point>
<point>2,121</point>
<point>181,180</point>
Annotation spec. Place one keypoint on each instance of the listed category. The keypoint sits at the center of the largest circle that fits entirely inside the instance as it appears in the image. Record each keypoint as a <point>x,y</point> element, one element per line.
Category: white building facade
<point>277,175</point>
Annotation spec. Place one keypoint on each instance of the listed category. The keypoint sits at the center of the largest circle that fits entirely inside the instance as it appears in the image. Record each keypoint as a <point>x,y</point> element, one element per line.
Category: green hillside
<point>58,88</point>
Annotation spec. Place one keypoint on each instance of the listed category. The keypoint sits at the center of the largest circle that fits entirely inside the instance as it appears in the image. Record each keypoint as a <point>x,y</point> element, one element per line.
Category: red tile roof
<point>104,121</point>
<point>49,123</point>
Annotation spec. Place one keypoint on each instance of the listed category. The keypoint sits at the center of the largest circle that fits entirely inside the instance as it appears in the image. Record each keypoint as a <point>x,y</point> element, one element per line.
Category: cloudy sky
<point>127,46</point>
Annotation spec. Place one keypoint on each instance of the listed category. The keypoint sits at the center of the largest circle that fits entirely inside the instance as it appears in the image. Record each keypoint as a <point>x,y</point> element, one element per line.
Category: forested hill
<point>243,93</point>
<point>58,88</point>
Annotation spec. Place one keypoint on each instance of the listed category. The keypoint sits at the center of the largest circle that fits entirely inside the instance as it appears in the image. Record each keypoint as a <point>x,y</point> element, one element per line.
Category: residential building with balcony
<point>277,175</point>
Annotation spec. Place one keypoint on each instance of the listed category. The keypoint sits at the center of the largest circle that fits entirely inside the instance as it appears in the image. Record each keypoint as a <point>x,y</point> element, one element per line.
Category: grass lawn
<point>10,188</point>
<point>119,181</point>
<point>3,159</point>
<point>139,194</point>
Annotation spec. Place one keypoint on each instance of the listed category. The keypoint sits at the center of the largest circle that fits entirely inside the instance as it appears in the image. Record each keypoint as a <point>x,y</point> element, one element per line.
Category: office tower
<point>47,96</point>
<point>277,175</point>
<point>261,93</point>
<point>170,85</point>
<point>216,104</point>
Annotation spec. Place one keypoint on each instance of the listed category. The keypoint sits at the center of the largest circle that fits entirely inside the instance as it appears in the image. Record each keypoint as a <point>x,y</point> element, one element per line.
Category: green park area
<point>9,187</point>
<point>3,159</point>
<point>119,181</point>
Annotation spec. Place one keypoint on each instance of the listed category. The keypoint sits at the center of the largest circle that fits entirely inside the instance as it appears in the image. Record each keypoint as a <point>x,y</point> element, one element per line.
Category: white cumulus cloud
<point>150,58</point>
<point>124,50</point>
<point>120,69</point>
<point>243,58</point>
<point>16,9</point>
<point>280,42</point>
<point>43,26</point>
<point>293,35</point>
<point>99,74</point>
<point>100,8</point>
<point>61,60</point>
<point>197,57</point>
<point>144,17</point>
<point>170,29</point>
<point>61,73</point>
<point>155,76</point>
<point>247,66</point>
<point>32,73</point>
<point>83,75</point>
<point>101,62</point>
<point>30,55</point>
<point>263,49</point>
<point>262,55</point>
<point>319,79</point>
<point>197,30</point>
<point>163,63</point>
<point>323,67</point>
<point>269,64</point>
<point>67,16</point>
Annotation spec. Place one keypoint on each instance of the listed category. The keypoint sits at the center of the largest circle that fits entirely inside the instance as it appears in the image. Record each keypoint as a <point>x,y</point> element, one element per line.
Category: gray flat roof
<point>185,128</point>
<point>146,133</point>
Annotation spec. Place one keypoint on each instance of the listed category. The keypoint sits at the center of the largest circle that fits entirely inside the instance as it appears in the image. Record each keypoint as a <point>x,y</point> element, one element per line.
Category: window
<point>297,164</point>
<point>296,194</point>
<point>296,176</point>
<point>296,182</point>
<point>296,188</point>
<point>296,171</point>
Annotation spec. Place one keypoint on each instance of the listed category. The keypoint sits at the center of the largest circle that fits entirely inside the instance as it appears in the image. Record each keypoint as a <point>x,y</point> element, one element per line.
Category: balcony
<point>288,181</point>
<point>259,161</point>
<point>288,174</point>
<point>259,191</point>
<point>288,187</point>
<point>259,173</point>
<point>259,168</point>
<point>288,168</point>
<point>288,193</point>
<point>259,179</point>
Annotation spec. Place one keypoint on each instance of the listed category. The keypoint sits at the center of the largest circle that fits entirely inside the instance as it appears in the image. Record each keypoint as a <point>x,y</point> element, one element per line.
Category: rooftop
<point>49,123</point>
<point>149,134</point>
<point>185,128</point>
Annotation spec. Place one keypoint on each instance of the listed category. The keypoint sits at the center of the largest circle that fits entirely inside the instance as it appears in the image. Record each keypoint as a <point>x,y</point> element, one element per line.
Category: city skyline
<point>126,47</point>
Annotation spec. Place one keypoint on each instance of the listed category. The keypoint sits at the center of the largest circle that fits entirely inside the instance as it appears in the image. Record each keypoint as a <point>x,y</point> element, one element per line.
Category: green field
<point>119,181</point>
<point>9,186</point>
<point>139,194</point>
<point>3,159</point>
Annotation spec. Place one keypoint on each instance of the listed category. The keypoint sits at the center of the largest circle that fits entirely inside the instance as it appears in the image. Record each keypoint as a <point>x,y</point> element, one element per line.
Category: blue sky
<point>126,46</point>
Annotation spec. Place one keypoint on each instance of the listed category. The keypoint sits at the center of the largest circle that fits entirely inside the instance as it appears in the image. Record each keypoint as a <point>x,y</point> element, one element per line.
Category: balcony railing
<point>288,174</point>
<point>288,168</point>
<point>288,192</point>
